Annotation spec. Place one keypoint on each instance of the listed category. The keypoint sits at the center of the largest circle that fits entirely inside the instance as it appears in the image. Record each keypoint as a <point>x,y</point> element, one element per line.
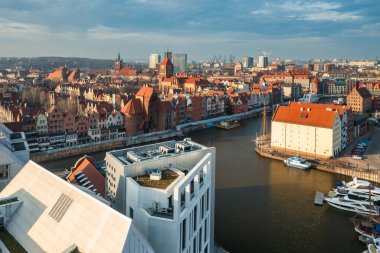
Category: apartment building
<point>168,190</point>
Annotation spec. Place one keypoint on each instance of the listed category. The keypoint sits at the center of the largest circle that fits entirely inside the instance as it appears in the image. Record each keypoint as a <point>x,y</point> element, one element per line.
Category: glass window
<point>4,171</point>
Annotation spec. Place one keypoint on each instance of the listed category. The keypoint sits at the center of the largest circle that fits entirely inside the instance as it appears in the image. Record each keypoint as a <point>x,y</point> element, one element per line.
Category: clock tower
<point>118,64</point>
<point>166,68</point>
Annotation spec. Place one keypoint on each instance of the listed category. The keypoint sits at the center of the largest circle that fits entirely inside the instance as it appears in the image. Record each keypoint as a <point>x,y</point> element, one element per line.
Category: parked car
<point>357,157</point>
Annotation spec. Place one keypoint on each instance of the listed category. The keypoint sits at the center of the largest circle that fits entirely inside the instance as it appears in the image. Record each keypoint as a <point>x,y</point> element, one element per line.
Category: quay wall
<point>366,174</point>
<point>107,145</point>
<point>89,148</point>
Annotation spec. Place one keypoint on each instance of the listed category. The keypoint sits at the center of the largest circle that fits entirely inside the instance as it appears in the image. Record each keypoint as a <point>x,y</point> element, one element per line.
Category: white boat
<point>297,162</point>
<point>356,206</point>
<point>310,97</point>
<point>360,187</point>
<point>339,101</point>
<point>372,249</point>
<point>354,195</point>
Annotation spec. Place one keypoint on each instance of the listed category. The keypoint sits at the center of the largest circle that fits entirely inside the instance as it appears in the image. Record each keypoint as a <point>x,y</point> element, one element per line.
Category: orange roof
<point>166,61</point>
<point>339,108</point>
<point>145,91</point>
<point>59,73</point>
<point>85,164</point>
<point>309,116</point>
<point>132,107</point>
<point>127,70</point>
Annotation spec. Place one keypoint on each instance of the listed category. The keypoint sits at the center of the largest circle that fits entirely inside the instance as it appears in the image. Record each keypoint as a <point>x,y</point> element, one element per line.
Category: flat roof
<point>167,177</point>
<point>156,151</point>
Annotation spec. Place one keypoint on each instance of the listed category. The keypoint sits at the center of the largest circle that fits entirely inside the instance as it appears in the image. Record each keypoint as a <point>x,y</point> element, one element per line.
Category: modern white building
<point>263,61</point>
<point>307,130</point>
<point>168,190</point>
<point>48,214</point>
<point>154,59</point>
<point>14,154</point>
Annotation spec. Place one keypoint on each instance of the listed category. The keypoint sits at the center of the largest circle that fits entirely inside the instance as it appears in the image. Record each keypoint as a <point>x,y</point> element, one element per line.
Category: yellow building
<point>309,130</point>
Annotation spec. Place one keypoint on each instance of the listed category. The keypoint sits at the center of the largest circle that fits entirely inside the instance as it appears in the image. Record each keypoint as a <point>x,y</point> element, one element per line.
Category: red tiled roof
<point>132,107</point>
<point>166,61</point>
<point>145,91</point>
<point>85,164</point>
<point>127,71</point>
<point>338,108</point>
<point>306,115</point>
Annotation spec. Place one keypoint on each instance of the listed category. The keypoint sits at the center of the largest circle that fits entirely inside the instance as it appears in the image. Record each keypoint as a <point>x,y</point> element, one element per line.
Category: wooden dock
<point>319,197</point>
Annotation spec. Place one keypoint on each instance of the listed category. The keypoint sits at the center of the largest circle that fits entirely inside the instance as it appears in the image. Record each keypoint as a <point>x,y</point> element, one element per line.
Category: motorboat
<point>297,162</point>
<point>356,206</point>
<point>359,186</point>
<point>354,195</point>
<point>228,124</point>
<point>310,97</point>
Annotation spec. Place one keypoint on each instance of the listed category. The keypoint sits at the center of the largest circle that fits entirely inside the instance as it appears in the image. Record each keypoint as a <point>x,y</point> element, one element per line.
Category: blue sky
<point>290,29</point>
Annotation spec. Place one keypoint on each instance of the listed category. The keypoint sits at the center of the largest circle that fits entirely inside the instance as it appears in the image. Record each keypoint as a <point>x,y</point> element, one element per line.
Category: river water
<point>263,206</point>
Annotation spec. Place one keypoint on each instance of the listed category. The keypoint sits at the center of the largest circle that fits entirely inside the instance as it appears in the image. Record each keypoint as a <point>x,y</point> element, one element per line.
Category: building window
<point>184,234</point>
<point>4,171</point>
<point>131,212</point>
<point>195,218</point>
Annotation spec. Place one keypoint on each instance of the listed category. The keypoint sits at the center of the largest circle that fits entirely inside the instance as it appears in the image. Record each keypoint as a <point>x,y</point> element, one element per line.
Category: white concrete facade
<point>185,222</point>
<point>11,159</point>
<point>56,216</point>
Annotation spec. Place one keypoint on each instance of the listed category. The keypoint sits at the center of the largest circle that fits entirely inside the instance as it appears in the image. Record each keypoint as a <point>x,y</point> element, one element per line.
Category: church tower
<point>118,64</point>
<point>166,67</point>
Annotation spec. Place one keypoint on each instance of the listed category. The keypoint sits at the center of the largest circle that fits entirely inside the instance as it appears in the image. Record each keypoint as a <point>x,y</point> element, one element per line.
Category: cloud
<point>308,10</point>
<point>14,28</point>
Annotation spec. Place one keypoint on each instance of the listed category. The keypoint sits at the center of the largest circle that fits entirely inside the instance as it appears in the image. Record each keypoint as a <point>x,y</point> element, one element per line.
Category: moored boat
<point>228,124</point>
<point>356,206</point>
<point>297,162</point>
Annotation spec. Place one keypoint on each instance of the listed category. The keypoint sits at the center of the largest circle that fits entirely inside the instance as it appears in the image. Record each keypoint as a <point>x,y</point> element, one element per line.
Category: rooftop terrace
<point>167,177</point>
<point>156,151</point>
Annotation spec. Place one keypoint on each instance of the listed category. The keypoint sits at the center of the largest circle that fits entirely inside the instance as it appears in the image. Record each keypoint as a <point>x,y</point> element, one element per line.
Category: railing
<point>160,212</point>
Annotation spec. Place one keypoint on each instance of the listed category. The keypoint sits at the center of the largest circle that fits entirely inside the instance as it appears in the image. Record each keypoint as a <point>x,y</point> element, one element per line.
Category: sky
<point>287,29</point>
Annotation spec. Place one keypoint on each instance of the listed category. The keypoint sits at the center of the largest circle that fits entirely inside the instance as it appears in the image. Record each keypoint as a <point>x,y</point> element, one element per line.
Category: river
<point>263,206</point>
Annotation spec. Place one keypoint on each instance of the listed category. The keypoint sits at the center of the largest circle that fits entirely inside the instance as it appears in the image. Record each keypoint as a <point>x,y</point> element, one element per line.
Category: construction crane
<point>232,58</point>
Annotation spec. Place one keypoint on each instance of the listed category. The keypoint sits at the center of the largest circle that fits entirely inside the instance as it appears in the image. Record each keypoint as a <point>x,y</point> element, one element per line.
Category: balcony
<point>160,212</point>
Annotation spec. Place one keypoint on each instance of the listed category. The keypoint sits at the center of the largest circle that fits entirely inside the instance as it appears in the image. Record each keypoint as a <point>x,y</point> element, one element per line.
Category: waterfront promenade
<point>343,165</point>
<point>107,145</point>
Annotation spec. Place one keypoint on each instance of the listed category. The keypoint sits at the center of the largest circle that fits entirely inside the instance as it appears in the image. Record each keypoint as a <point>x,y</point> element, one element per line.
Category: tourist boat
<point>356,206</point>
<point>297,162</point>
<point>228,124</point>
<point>310,97</point>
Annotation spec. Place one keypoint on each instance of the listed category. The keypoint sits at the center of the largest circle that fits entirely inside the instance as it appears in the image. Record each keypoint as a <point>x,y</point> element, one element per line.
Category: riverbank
<point>180,130</point>
<point>331,166</point>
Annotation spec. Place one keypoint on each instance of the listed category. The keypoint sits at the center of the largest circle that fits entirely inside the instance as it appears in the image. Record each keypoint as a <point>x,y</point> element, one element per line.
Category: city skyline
<point>294,29</point>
